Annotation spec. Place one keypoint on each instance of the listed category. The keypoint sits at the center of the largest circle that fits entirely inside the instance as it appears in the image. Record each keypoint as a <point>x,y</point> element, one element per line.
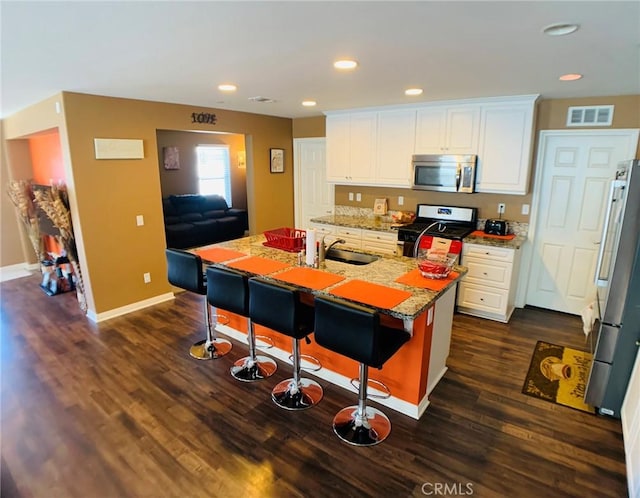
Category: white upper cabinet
<point>504,150</point>
<point>374,146</point>
<point>351,147</point>
<point>447,129</point>
<point>396,135</point>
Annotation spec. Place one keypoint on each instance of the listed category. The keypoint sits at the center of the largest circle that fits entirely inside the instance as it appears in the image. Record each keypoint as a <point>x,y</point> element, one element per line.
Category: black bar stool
<point>229,290</point>
<point>278,307</point>
<point>355,332</point>
<point>185,271</point>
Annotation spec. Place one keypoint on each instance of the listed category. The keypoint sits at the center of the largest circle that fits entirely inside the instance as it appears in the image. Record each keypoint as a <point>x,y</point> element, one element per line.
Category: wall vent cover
<point>595,115</point>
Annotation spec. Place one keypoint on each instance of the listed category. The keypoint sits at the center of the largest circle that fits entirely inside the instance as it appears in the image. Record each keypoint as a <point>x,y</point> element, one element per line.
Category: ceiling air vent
<point>264,100</point>
<point>595,115</point>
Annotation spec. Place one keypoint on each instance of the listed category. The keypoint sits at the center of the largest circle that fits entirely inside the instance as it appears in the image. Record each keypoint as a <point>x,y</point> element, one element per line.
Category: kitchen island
<point>415,305</point>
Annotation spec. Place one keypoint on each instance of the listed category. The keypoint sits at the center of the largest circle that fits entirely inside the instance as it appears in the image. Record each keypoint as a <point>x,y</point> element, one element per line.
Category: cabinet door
<point>396,137</point>
<point>338,133</point>
<point>363,134</point>
<point>462,130</point>
<point>505,149</point>
<point>431,124</point>
<point>447,130</point>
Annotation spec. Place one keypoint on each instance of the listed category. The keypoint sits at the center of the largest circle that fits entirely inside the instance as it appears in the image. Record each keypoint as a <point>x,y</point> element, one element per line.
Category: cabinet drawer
<point>322,229</point>
<point>483,298</point>
<point>488,272</point>
<point>487,252</point>
<point>376,236</point>
<point>350,233</point>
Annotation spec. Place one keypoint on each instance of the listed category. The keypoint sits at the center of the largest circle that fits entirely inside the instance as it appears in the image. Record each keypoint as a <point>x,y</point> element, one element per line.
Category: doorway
<point>574,169</point>
<point>313,195</point>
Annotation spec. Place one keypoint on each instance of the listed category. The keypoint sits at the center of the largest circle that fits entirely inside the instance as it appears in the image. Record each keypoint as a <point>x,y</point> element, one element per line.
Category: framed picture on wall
<point>171,157</point>
<point>277,160</point>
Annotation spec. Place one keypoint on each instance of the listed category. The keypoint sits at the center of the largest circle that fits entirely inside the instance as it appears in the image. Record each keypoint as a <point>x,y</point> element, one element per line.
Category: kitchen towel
<point>480,233</point>
<point>258,265</point>
<point>415,279</point>
<point>309,278</point>
<point>311,246</point>
<point>376,295</point>
<point>218,254</point>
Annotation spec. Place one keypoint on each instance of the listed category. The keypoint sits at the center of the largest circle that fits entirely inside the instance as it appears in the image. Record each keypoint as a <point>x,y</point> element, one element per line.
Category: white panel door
<point>576,168</point>
<point>313,195</point>
<point>630,417</point>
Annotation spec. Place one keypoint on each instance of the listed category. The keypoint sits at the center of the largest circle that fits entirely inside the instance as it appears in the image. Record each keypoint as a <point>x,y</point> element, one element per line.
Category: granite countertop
<point>384,271</point>
<point>379,223</point>
<point>382,224</point>
<point>515,243</point>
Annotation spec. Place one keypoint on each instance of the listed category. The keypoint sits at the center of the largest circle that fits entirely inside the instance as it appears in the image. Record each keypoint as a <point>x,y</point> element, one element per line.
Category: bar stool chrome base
<point>249,369</point>
<point>210,350</point>
<point>292,395</point>
<point>358,430</point>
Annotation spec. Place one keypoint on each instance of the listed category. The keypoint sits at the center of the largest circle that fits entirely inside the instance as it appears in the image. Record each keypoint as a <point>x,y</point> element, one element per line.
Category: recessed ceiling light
<point>570,77</point>
<point>413,91</point>
<point>345,64</point>
<point>560,29</point>
<point>309,103</point>
<point>227,87</point>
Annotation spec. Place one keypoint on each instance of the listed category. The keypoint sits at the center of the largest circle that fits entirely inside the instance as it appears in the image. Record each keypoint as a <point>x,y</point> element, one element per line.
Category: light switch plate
<point>358,197</point>
<point>139,220</point>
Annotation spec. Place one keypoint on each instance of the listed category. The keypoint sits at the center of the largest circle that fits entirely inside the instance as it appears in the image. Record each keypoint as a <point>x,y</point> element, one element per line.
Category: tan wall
<point>309,127</point>
<point>185,179</point>
<point>107,195</point>
<point>14,245</point>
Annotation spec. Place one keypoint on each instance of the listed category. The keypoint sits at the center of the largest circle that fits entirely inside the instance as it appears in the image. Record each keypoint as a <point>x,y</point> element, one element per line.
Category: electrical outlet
<point>525,209</point>
<point>501,208</point>
<point>146,277</point>
<point>358,197</point>
<point>400,200</point>
<point>350,196</point>
<point>139,220</point>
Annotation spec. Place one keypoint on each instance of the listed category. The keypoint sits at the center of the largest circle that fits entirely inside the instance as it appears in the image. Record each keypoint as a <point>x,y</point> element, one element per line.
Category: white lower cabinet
<point>359,238</point>
<point>352,237</point>
<point>488,289</point>
<point>384,242</point>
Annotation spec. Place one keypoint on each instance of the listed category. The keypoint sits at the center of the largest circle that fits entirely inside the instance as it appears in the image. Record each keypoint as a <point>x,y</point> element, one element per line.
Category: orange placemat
<point>258,265</point>
<point>309,277</point>
<point>376,295</point>
<point>415,279</point>
<point>218,254</point>
<point>480,233</point>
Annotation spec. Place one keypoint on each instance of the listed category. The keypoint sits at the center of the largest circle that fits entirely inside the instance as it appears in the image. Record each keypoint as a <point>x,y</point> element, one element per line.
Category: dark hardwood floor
<point>119,409</point>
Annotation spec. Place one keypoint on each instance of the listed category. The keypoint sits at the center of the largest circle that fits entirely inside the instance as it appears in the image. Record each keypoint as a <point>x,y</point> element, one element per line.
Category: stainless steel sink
<point>350,257</point>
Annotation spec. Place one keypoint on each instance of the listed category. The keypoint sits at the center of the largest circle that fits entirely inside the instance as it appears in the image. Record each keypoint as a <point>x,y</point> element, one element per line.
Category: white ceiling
<point>180,51</point>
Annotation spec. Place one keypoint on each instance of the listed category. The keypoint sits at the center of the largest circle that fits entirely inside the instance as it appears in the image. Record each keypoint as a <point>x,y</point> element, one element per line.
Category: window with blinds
<point>214,175</point>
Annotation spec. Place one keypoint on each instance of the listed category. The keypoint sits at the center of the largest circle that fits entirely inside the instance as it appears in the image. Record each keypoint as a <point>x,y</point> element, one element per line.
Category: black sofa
<point>192,220</point>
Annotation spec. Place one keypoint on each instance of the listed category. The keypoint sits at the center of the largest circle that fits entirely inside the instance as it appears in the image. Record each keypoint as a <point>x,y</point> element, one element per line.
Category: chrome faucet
<point>322,250</point>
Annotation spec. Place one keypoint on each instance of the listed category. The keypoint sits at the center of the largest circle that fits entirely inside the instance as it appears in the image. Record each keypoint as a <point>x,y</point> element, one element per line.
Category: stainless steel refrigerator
<point>618,289</point>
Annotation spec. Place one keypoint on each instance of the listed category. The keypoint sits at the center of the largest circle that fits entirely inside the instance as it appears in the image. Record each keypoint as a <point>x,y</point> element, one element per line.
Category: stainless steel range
<point>449,222</point>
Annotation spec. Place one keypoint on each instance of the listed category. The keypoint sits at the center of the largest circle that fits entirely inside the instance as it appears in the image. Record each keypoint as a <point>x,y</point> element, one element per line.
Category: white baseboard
<point>337,379</point>
<point>19,270</point>
<point>107,315</point>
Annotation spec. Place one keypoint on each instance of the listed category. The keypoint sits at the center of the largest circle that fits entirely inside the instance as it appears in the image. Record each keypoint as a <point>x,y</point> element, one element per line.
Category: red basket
<point>287,239</point>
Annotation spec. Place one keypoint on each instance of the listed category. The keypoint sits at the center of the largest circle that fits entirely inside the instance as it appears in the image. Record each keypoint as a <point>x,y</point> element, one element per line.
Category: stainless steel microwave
<point>444,173</point>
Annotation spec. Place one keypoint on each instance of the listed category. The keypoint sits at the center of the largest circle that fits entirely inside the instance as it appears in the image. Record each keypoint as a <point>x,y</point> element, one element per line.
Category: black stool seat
<point>355,332</point>
<point>229,290</point>
<point>278,307</point>
<point>184,270</point>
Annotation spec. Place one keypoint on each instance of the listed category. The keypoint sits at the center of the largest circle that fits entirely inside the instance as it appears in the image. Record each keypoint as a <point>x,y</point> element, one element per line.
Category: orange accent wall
<point>47,165</point>
<point>46,158</point>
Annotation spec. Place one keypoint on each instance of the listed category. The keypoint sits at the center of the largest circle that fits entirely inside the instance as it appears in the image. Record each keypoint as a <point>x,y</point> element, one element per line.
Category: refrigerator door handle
<point>615,184</point>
